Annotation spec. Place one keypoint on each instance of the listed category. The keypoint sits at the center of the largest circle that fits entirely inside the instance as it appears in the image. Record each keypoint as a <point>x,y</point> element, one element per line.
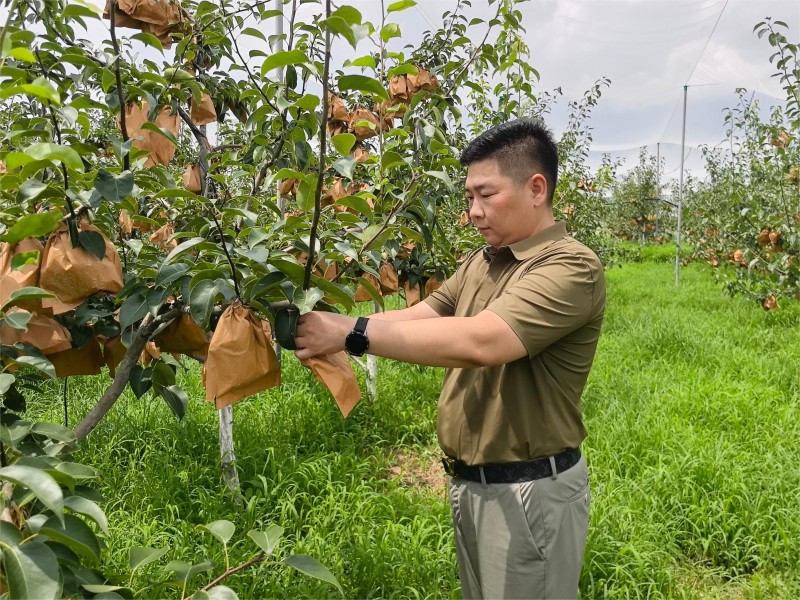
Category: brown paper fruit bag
<point>149,353</point>
<point>183,336</point>
<point>73,274</point>
<point>202,113</point>
<point>28,276</point>
<point>86,360</point>
<point>241,360</point>
<point>159,17</point>
<point>362,295</point>
<point>46,334</point>
<point>398,89</point>
<point>113,353</point>
<point>432,285</point>
<point>360,154</point>
<point>423,80</point>
<point>388,283</point>
<point>337,127</point>
<point>363,132</point>
<point>335,373</point>
<point>337,111</point>
<point>192,178</point>
<point>161,237</point>
<point>160,148</point>
<point>412,294</point>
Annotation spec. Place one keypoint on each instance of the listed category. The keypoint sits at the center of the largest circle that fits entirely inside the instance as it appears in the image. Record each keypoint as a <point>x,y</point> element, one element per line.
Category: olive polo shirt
<point>550,289</point>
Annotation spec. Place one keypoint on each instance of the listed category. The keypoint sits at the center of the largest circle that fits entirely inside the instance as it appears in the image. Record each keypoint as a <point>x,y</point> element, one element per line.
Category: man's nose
<point>475,210</point>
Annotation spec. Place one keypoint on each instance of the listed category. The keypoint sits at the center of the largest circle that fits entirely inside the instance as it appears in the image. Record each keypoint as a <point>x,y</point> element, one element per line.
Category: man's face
<point>503,211</point>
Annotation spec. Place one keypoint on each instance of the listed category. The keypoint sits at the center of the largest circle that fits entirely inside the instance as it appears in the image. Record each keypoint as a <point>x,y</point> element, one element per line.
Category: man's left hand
<point>321,333</point>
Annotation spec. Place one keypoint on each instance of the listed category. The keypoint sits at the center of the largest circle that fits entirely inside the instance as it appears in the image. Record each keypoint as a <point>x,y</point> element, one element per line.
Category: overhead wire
<point>694,68</point>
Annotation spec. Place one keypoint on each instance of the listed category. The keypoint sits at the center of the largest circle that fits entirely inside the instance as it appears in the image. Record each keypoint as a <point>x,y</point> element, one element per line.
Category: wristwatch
<point>357,342</point>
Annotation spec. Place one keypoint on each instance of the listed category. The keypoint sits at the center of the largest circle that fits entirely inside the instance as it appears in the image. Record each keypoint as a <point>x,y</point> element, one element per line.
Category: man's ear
<point>537,185</point>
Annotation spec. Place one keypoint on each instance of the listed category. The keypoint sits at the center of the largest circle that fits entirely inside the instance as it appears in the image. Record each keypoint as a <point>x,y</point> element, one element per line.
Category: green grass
<point>693,411</point>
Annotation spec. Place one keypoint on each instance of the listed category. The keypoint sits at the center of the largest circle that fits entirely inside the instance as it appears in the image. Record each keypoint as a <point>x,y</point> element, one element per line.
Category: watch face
<point>356,343</point>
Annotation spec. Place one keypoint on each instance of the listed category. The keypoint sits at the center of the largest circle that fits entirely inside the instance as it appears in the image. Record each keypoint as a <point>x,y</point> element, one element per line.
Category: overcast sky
<point>649,49</point>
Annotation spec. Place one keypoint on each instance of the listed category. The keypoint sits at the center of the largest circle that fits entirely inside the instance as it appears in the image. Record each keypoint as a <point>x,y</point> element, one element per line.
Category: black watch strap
<point>357,343</point>
<point>361,324</point>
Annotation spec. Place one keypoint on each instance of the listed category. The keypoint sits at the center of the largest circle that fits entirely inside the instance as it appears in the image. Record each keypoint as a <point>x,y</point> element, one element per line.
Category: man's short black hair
<point>521,148</point>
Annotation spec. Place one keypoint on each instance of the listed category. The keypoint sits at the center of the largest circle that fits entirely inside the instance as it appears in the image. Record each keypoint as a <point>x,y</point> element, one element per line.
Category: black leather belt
<point>526,470</point>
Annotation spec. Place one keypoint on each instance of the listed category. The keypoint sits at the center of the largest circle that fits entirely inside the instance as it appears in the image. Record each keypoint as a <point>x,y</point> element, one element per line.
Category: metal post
<point>680,195</point>
<point>281,201</point>
<point>658,187</point>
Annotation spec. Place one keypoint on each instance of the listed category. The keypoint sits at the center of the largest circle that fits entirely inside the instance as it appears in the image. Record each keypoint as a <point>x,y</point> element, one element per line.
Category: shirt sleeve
<point>549,302</point>
<point>443,300</point>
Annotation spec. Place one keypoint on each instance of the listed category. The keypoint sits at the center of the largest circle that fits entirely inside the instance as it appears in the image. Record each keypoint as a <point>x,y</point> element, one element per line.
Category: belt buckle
<point>449,465</point>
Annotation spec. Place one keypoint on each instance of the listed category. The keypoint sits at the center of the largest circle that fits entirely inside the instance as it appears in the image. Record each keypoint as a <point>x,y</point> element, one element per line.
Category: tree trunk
<point>227,453</point>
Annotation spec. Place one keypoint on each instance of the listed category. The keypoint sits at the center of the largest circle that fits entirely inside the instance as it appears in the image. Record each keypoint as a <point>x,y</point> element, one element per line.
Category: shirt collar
<point>533,245</point>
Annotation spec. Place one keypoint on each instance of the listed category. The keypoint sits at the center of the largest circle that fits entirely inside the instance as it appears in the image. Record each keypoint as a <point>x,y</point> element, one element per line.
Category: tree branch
<point>323,145</point>
<point>126,159</point>
<point>143,335</point>
<point>253,561</point>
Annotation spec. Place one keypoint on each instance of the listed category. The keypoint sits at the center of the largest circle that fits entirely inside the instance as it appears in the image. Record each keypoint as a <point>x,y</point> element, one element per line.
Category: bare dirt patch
<point>418,470</point>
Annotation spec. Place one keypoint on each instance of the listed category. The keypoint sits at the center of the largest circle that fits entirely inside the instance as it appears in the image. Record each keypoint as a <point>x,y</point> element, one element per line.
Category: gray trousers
<point>521,540</point>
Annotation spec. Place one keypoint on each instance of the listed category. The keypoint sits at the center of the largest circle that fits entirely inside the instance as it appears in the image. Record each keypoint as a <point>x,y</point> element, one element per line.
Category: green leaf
<point>149,39</point>
<point>218,592</point>
<point>400,5</point>
<point>348,14</point>
<point>55,153</point>
<point>133,310</point>
<point>140,380</point>
<point>25,294</point>
<point>55,432</point>
<point>39,88</point>
<point>86,507</point>
<point>362,61</point>
<point>141,556</point>
<point>42,485</point>
<point>169,273</point>
<point>22,54</point>
<point>37,362</point>
<point>32,226</point>
<point>30,190</point>
<point>305,300</point>
<point>114,188</point>
<point>313,568</point>
<point>9,533</point>
<point>74,534</point>
<point>283,58</point>
<point>443,176</point>
<point>18,320</point>
<point>371,289</point>
<point>345,166</point>
<point>150,126</point>
<point>108,591</point>
<point>202,299</point>
<point>23,259</point>
<point>93,243</point>
<point>363,84</point>
<point>343,143</point>
<point>267,540</point>
<point>389,31</point>
<point>181,248</point>
<point>163,376</point>
<point>176,399</point>
<point>309,102</point>
<point>6,381</point>
<point>31,571</point>
<point>222,530</point>
<point>185,572</point>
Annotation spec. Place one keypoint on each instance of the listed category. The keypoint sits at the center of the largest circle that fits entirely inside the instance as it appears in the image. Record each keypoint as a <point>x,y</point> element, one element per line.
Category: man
<point>517,327</point>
